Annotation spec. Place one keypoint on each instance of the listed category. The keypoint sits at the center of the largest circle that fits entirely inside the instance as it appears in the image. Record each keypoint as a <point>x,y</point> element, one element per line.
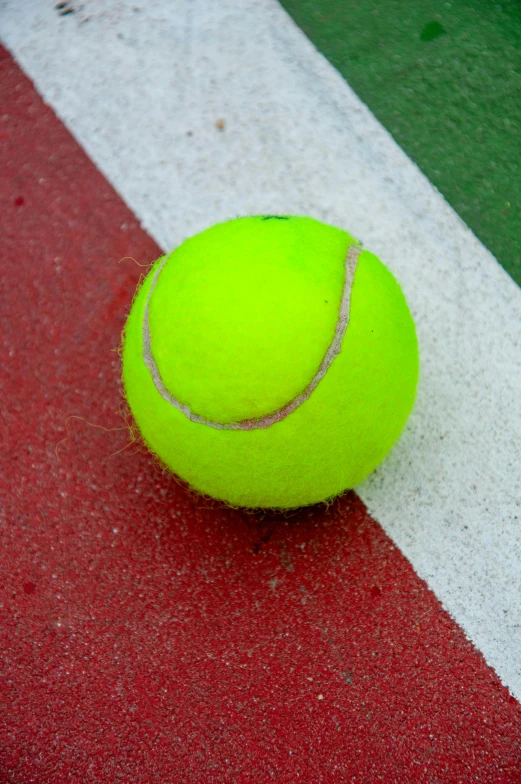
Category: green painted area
<point>445,79</point>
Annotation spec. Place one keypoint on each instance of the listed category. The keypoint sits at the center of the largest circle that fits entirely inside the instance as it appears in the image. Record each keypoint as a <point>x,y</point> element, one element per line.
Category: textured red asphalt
<point>147,635</point>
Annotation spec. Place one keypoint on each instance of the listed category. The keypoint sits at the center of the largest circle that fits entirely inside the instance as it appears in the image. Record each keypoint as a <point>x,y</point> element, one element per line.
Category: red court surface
<point>148,635</point>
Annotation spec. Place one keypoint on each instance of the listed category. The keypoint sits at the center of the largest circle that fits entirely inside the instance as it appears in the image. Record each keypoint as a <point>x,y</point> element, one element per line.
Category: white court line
<point>142,90</point>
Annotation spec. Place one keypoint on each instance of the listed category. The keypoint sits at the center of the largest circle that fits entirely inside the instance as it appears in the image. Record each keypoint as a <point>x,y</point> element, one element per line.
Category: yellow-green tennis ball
<point>270,362</point>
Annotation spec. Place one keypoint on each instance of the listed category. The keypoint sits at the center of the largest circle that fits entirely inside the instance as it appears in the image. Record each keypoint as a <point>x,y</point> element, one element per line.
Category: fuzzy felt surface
<point>240,319</point>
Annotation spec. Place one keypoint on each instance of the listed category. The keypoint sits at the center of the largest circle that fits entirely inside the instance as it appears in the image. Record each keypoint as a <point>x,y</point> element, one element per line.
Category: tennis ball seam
<point>263,422</point>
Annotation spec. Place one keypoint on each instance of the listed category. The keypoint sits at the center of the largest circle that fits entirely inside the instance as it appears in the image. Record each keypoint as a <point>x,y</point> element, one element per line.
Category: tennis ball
<point>270,361</point>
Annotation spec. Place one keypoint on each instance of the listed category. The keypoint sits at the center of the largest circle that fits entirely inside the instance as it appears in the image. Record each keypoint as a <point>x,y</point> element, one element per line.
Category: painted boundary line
<point>142,91</point>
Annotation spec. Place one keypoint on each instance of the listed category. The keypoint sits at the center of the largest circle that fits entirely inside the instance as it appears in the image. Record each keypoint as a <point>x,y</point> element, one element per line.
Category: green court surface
<point>445,79</point>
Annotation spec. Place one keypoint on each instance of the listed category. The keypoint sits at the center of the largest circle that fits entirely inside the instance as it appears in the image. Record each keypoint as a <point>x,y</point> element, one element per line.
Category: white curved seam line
<point>270,419</point>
